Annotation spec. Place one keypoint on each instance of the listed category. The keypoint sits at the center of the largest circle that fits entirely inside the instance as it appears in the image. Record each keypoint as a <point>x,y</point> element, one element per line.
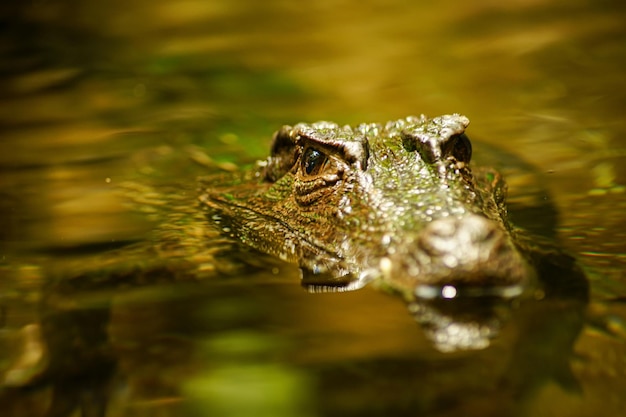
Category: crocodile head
<point>394,203</point>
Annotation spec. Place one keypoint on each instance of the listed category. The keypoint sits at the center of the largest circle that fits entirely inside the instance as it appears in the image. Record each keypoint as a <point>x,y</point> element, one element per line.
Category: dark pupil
<point>313,160</point>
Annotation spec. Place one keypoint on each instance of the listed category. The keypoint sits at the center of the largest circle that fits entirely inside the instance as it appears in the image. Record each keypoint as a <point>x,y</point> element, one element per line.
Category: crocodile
<point>397,204</point>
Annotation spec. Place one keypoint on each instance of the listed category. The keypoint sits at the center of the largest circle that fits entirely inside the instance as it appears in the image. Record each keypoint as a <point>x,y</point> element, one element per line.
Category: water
<point>100,102</point>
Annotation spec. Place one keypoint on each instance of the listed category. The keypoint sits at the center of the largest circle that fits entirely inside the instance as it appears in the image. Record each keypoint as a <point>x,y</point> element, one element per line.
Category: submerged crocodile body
<point>395,203</point>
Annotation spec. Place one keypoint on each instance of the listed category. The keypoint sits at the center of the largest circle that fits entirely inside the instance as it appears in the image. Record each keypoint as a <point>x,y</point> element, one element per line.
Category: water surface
<point>108,113</point>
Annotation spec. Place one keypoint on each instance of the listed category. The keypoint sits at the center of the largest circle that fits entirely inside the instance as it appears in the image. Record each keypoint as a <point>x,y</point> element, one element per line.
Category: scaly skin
<point>397,204</point>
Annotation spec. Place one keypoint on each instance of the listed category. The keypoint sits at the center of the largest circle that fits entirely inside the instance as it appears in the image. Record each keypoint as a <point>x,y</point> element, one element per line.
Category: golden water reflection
<point>98,97</point>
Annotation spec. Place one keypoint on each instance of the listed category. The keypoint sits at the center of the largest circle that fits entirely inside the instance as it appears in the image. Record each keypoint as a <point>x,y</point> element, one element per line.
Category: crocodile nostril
<point>471,234</point>
<point>443,228</point>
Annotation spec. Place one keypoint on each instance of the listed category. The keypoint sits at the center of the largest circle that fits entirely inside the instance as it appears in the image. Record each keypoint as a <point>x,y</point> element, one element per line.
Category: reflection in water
<point>244,381</point>
<point>192,350</point>
<point>453,322</point>
<point>469,327</point>
<point>217,347</point>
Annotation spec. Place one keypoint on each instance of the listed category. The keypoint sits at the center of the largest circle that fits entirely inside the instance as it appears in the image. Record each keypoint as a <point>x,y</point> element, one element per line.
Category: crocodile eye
<point>460,148</point>
<point>313,161</point>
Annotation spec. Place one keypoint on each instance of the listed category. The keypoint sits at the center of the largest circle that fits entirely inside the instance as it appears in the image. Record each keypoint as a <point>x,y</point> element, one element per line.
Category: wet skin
<point>396,204</point>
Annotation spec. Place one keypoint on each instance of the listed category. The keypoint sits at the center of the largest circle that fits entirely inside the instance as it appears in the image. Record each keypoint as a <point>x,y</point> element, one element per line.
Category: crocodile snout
<point>470,254</point>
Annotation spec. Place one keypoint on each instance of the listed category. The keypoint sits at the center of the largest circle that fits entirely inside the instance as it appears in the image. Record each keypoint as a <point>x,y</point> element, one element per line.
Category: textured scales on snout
<point>397,204</point>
